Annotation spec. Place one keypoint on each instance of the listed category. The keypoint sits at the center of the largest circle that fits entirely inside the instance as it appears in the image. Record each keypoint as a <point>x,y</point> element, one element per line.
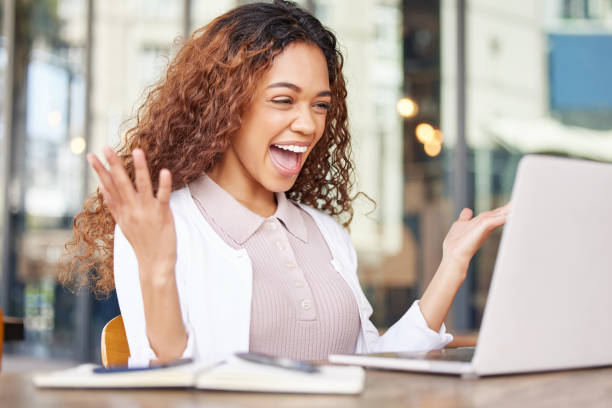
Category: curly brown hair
<point>188,118</point>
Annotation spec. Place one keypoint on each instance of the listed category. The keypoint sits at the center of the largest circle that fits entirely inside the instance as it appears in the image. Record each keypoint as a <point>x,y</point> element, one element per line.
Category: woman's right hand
<point>148,224</point>
<point>145,220</point>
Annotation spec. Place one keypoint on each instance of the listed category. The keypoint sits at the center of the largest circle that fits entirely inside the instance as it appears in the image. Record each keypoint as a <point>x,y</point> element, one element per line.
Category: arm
<point>465,237</point>
<point>148,225</point>
<point>438,297</point>
<point>165,329</point>
<point>421,328</point>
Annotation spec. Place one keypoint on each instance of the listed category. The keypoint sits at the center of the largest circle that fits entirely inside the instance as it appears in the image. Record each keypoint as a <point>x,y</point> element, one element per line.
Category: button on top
<point>306,304</point>
<point>298,284</point>
<point>290,264</point>
<point>271,225</point>
<point>280,245</point>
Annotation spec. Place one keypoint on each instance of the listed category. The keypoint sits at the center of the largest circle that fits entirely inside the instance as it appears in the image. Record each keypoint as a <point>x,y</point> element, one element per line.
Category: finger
<point>125,188</point>
<point>112,206</point>
<point>106,179</point>
<point>165,186</point>
<point>493,219</point>
<point>465,214</point>
<point>504,209</point>
<point>142,176</point>
<point>497,212</point>
<point>502,213</point>
<point>107,198</point>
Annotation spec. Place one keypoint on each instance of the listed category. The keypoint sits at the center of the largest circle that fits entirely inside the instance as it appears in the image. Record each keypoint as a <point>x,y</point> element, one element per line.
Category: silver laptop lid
<point>550,301</point>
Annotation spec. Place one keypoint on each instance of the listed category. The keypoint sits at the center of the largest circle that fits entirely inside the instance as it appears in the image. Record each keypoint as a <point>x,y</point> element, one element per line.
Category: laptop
<point>549,305</point>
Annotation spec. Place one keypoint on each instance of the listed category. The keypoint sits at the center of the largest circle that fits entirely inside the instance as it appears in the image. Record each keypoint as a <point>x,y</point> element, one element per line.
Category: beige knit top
<point>301,307</point>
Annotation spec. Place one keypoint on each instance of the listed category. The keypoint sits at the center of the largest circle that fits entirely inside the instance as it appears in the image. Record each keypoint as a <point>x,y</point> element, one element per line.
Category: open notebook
<point>233,375</point>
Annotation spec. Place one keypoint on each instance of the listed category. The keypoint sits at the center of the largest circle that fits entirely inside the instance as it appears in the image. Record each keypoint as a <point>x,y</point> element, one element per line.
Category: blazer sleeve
<point>411,333</point>
<point>129,295</point>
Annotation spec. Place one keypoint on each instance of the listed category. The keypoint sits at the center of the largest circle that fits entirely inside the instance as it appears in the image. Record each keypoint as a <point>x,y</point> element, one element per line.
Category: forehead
<point>301,64</point>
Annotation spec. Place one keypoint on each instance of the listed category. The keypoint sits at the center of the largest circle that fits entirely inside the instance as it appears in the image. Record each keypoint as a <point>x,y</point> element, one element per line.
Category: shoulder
<point>191,227</point>
<point>182,205</point>
<point>327,224</point>
<point>185,214</point>
<point>180,199</point>
<point>319,216</point>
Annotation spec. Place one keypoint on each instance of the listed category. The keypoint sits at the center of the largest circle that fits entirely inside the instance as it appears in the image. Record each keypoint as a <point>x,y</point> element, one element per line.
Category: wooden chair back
<point>114,347</point>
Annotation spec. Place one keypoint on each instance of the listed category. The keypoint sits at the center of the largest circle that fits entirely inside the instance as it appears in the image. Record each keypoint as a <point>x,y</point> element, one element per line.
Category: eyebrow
<point>296,88</point>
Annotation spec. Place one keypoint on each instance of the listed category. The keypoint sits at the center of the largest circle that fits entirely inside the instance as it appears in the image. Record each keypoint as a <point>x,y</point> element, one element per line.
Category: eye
<point>282,101</point>
<point>323,106</point>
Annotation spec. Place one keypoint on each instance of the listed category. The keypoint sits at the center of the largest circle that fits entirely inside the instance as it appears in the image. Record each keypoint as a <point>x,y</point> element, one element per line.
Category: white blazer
<point>214,283</point>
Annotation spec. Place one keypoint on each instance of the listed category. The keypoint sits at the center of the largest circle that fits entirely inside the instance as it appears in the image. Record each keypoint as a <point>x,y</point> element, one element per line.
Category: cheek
<point>317,141</point>
<point>322,125</point>
<point>263,128</point>
<point>251,140</point>
<point>321,131</point>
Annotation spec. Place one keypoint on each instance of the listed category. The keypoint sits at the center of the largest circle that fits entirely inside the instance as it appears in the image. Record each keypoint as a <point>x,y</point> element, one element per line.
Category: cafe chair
<point>114,348</point>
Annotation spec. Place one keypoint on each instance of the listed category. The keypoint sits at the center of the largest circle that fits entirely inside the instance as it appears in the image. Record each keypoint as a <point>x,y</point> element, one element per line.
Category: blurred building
<point>80,71</point>
<point>538,81</point>
<point>73,73</point>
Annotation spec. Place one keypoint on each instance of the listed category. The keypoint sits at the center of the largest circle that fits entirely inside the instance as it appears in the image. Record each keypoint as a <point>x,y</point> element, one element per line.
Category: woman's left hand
<point>468,233</point>
<point>464,238</point>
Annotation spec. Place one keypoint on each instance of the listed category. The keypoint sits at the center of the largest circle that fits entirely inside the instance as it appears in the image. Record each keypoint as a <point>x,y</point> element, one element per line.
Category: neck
<point>244,188</point>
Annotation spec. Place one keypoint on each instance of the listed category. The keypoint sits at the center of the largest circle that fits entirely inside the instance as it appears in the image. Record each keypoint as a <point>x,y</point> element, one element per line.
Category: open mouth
<point>287,158</point>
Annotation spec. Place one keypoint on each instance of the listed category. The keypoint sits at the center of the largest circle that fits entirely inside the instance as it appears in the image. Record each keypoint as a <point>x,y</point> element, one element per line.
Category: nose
<point>303,122</point>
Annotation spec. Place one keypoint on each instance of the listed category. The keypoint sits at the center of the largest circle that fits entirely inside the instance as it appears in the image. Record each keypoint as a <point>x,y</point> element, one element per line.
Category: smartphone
<point>280,362</point>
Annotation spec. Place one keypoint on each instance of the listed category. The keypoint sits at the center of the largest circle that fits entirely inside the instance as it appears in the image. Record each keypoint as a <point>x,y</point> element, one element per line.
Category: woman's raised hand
<point>468,233</point>
<point>145,220</point>
<point>148,224</point>
<point>464,238</point>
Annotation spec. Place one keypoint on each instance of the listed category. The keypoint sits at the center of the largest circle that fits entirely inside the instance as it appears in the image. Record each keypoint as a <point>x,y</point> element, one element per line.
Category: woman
<point>218,207</point>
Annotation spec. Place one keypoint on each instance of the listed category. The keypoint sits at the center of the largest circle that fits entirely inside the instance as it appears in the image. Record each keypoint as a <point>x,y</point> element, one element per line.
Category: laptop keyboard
<point>462,354</point>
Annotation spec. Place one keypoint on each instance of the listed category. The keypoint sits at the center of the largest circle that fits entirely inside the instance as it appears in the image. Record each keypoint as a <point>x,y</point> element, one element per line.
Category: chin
<point>280,184</point>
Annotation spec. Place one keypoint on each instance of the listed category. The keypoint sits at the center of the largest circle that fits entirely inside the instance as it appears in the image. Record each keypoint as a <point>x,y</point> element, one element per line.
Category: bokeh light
<point>425,132</point>
<point>54,118</point>
<point>433,148</point>
<point>438,136</point>
<point>407,108</point>
<point>77,145</point>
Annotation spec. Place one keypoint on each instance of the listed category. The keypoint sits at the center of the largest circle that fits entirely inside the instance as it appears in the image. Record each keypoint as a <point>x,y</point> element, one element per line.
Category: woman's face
<point>282,124</point>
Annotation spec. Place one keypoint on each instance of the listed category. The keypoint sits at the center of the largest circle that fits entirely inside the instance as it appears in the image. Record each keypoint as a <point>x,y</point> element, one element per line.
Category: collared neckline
<point>291,216</point>
<point>237,221</point>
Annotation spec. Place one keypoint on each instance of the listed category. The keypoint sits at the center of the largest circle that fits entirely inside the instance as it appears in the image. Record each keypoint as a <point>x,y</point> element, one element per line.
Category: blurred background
<point>445,96</point>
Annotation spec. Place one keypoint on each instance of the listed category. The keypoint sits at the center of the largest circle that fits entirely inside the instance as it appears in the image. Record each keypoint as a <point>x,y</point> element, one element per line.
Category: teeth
<point>292,148</point>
